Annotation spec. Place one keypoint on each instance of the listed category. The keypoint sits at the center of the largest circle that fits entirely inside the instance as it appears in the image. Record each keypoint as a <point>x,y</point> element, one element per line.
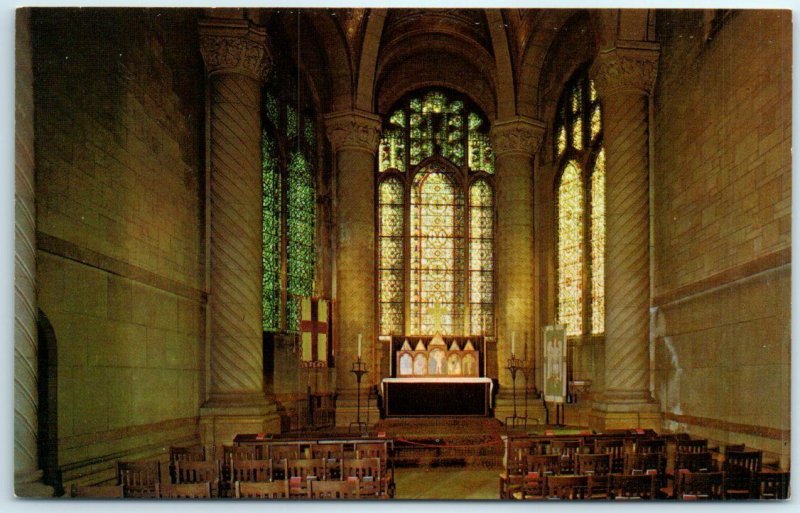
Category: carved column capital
<point>626,69</point>
<point>520,135</point>
<point>355,129</point>
<point>235,46</point>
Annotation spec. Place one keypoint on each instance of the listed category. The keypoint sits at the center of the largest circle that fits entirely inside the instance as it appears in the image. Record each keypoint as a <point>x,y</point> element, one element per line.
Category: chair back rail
<point>268,490</point>
<point>184,490</point>
<point>597,464</point>
<point>632,487</point>
<point>347,489</point>
<point>693,461</point>
<point>699,445</point>
<point>259,471</point>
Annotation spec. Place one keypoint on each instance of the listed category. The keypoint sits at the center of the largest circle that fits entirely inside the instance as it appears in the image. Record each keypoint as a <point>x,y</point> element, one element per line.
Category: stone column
<point>624,78</point>
<point>354,136</point>
<point>237,60</point>
<point>27,474</point>
<point>515,142</point>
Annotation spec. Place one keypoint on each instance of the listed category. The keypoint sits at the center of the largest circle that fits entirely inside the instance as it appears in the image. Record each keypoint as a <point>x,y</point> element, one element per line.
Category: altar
<point>437,376</point>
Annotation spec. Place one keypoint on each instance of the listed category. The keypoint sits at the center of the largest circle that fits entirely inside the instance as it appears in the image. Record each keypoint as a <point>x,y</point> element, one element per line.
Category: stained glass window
<point>580,208</point>
<point>598,242</point>
<point>481,257</point>
<point>288,204</point>
<point>570,249</point>
<point>437,251</point>
<point>301,200</point>
<point>391,276</point>
<point>271,233</point>
<point>428,252</point>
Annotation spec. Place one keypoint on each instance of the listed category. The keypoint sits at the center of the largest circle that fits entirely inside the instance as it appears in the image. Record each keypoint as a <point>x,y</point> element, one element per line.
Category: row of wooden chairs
<point>689,486</point>
<point>348,489</point>
<point>140,479</point>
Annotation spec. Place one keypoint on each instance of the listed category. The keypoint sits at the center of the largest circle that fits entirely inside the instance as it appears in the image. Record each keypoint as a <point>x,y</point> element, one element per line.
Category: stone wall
<point>722,220</point>
<point>119,186</point>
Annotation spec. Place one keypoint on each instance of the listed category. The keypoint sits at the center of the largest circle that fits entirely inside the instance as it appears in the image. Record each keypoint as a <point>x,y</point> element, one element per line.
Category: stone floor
<point>446,483</point>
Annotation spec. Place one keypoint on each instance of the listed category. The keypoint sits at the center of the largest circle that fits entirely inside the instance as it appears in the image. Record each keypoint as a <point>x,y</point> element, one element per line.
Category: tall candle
<point>512,342</point>
<point>359,346</point>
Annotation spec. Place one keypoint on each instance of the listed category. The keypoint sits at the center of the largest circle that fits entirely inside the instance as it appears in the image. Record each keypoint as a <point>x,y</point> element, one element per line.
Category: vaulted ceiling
<point>369,58</point>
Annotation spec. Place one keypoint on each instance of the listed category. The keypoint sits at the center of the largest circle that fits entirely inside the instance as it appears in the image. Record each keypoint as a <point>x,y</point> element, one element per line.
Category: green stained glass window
<point>309,132</point>
<point>578,132</point>
<point>437,251</point>
<point>291,121</point>
<point>598,243</point>
<point>300,223</point>
<point>481,257</point>
<point>481,155</point>
<point>391,275</point>
<point>271,233</point>
<point>272,108</point>
<point>570,249</point>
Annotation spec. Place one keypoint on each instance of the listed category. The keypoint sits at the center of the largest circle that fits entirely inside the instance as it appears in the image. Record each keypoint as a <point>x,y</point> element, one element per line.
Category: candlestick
<point>359,346</point>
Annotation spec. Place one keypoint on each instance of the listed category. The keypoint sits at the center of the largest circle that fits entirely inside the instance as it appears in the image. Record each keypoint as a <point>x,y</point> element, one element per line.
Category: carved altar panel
<point>434,357</point>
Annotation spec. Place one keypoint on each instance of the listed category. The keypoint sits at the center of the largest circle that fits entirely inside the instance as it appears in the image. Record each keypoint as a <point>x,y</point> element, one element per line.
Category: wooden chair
<point>270,490</point>
<point>187,472</point>
<point>333,454</point>
<point>347,489</point>
<point>378,450</point>
<point>368,472</point>
<point>565,487</point>
<point>626,487</point>
<point>699,486</point>
<point>773,485</point>
<point>184,491</point>
<point>299,472</point>
<point>516,450</point>
<point>229,453</point>
<point>139,478</point>
<point>530,483</point>
<point>257,471</point>
<point>741,473</point>
<point>700,445</point>
<point>567,449</point>
<point>98,491</point>
<point>597,467</point>
<point>614,447</point>
<point>190,453</point>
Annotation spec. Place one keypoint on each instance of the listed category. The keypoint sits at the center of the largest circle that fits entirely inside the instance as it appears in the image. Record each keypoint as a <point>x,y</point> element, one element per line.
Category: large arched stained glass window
<point>580,209</point>
<point>288,205</point>
<point>435,217</point>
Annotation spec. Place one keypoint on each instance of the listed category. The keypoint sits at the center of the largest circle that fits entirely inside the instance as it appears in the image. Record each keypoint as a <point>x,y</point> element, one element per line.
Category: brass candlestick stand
<point>515,364</point>
<point>359,369</point>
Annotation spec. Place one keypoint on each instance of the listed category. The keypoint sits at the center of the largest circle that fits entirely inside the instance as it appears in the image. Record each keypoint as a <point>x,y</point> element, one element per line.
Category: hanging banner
<point>314,332</point>
<point>555,363</point>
